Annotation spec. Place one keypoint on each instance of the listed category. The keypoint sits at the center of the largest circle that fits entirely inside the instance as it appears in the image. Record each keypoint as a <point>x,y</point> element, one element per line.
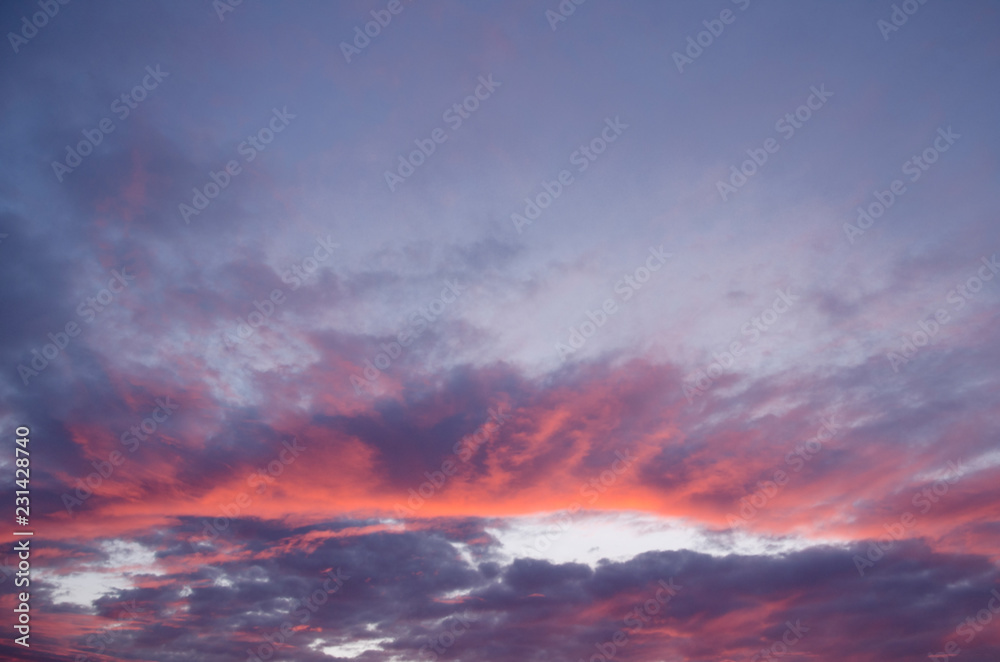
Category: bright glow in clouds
<point>126,560</point>
<point>351,649</point>
<point>618,536</point>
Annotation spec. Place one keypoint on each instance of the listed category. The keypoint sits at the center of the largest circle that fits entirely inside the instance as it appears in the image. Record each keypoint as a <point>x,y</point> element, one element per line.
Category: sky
<point>493,331</point>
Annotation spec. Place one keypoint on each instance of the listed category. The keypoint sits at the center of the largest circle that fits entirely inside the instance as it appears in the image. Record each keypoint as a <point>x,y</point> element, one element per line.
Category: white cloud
<point>620,535</point>
<point>96,580</point>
